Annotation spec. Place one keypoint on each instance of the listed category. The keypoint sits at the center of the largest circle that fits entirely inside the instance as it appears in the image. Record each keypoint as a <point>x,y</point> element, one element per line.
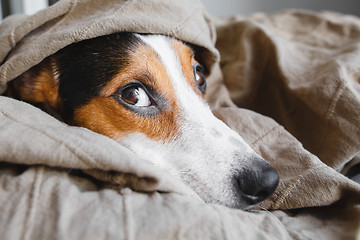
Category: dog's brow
<point>192,53</point>
<point>148,78</point>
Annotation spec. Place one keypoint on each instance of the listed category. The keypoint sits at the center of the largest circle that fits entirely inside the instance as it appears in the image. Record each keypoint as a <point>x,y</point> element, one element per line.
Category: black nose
<point>257,182</point>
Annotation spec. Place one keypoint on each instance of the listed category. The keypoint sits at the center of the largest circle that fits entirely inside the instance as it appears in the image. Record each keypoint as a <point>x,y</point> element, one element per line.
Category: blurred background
<point>8,7</point>
<point>219,8</point>
<point>225,8</point>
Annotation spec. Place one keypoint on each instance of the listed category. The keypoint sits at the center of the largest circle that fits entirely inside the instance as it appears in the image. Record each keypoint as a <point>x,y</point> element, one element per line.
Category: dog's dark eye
<point>139,98</point>
<point>200,79</point>
<point>136,96</point>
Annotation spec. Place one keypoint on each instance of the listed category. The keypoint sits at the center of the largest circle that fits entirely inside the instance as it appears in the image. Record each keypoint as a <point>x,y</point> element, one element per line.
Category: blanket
<point>287,82</point>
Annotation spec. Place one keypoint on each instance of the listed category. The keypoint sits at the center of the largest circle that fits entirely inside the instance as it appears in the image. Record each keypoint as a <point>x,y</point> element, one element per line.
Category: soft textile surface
<point>297,72</point>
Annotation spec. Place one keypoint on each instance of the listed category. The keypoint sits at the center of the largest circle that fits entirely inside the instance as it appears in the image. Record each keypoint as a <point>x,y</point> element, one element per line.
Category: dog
<point>148,93</point>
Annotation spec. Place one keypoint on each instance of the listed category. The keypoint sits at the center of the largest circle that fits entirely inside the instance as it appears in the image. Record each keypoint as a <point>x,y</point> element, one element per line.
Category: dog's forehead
<point>159,62</point>
<point>179,62</point>
<point>177,58</point>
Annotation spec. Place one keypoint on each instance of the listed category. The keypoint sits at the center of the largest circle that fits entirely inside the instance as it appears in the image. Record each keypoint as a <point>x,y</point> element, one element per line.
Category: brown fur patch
<point>37,85</point>
<point>187,61</point>
<point>107,116</point>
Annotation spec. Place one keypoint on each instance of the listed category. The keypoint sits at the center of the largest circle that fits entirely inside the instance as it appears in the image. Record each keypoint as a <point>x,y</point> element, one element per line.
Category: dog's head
<point>147,92</point>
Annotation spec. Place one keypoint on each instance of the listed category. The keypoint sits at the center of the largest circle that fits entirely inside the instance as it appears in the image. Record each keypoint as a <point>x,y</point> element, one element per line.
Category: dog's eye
<point>139,98</point>
<point>136,96</point>
<point>199,78</point>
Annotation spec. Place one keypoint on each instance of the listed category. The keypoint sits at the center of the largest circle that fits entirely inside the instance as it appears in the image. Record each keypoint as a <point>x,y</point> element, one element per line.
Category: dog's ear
<point>39,86</point>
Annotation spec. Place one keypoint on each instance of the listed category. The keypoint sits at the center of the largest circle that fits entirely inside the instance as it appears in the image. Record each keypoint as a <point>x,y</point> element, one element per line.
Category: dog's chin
<point>222,193</point>
<point>232,200</point>
<point>236,203</point>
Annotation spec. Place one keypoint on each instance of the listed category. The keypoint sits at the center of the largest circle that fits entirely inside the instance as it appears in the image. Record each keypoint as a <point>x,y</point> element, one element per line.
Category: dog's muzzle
<point>256,183</point>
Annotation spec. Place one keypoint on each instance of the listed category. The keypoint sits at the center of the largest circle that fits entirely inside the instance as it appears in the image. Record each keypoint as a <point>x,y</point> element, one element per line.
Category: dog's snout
<point>257,183</point>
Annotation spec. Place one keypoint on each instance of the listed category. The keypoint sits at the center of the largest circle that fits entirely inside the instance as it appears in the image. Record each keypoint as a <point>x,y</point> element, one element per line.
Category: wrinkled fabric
<point>301,69</point>
<point>296,73</point>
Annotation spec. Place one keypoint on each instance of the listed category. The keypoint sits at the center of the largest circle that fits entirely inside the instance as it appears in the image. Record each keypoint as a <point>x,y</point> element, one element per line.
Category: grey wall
<point>223,8</point>
<point>8,7</point>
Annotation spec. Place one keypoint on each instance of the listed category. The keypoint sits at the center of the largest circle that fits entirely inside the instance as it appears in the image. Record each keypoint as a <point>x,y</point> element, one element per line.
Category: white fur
<point>208,153</point>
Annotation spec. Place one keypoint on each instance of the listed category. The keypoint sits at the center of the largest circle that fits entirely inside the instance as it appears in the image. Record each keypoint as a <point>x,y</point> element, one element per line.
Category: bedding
<point>288,82</point>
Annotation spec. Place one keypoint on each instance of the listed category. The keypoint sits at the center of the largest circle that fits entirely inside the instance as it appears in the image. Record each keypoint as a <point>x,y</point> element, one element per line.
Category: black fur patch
<point>84,68</point>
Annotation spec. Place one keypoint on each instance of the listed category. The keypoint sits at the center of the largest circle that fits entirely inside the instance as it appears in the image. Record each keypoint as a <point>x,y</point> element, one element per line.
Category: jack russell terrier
<point>147,92</point>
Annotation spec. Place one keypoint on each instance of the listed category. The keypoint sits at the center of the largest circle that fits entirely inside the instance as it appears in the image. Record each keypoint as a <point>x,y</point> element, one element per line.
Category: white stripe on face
<point>185,94</point>
<point>191,104</point>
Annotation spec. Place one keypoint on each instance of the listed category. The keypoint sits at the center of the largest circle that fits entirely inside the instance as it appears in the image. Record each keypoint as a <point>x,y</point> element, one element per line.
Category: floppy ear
<point>38,86</point>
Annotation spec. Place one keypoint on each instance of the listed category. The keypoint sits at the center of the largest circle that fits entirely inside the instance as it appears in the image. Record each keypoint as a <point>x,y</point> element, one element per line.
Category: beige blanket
<point>297,72</point>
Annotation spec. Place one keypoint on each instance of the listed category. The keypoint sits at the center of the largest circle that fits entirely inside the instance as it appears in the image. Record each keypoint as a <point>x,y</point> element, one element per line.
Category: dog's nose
<point>257,183</point>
